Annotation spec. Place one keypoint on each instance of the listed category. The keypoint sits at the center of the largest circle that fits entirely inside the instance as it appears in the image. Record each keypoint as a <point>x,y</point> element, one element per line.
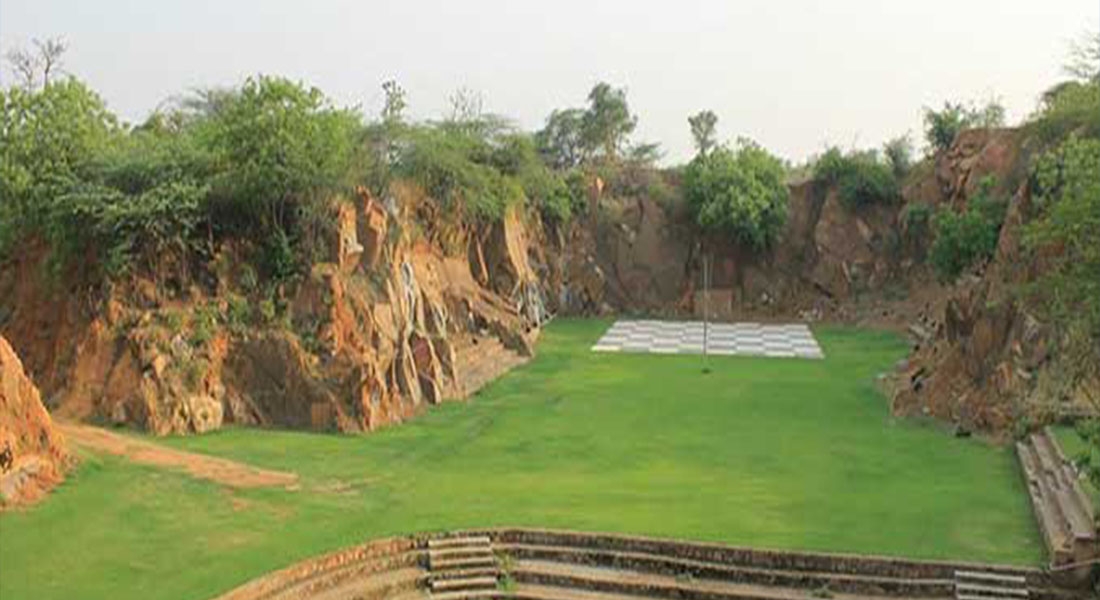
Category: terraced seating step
<point>977,589</point>
<point>487,570</point>
<point>569,578</point>
<point>464,583</point>
<point>459,552</point>
<point>452,542</point>
<point>370,587</point>
<point>445,564</point>
<point>471,595</point>
<point>1017,580</point>
<point>659,564</point>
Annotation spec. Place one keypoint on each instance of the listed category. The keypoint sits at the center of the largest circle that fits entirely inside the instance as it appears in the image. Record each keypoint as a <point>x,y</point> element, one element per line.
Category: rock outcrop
<point>33,457</point>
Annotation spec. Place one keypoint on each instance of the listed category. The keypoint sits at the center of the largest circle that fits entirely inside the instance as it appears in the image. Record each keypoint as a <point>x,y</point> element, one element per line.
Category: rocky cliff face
<point>983,359</point>
<point>375,331</point>
<point>365,340</point>
<point>33,458</point>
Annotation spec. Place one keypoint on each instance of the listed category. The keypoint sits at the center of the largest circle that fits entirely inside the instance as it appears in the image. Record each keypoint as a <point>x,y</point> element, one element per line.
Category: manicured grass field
<point>761,452</point>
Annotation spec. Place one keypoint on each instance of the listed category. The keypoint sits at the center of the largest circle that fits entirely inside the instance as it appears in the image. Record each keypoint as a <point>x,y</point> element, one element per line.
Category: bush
<point>943,126</point>
<point>899,156</point>
<point>963,239</point>
<point>456,169</point>
<point>738,191</point>
<point>1069,108</point>
<point>50,140</point>
<point>1067,190</point>
<point>276,145</point>
<point>860,178</point>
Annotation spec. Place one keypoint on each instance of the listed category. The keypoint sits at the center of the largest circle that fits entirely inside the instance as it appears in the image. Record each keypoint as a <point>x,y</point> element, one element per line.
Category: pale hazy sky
<point>793,74</point>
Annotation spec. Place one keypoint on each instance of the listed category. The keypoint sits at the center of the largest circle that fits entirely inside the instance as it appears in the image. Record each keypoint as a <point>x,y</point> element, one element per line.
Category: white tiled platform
<point>731,339</point>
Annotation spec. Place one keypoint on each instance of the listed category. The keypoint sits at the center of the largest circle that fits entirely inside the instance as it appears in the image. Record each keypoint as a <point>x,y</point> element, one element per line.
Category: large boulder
<point>33,458</point>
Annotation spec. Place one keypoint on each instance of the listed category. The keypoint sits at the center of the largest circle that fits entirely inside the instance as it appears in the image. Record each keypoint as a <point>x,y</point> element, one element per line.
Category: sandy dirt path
<point>219,470</point>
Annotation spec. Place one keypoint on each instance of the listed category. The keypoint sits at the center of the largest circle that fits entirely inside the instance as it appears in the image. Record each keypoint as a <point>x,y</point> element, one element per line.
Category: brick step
<point>978,589</point>
<point>452,542</point>
<point>630,583</point>
<point>464,583</point>
<point>660,564</point>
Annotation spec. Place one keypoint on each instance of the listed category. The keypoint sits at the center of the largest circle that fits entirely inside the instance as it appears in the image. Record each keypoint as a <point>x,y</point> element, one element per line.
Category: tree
<point>44,60</point>
<point>899,155</point>
<point>943,126</point>
<point>561,142</point>
<point>703,126</point>
<point>1084,61</point>
<point>738,191</point>
<point>607,122</point>
<point>275,142</point>
<point>393,111</point>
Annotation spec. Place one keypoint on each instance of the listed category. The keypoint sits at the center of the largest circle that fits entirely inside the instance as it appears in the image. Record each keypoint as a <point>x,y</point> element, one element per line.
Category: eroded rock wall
<point>33,456</point>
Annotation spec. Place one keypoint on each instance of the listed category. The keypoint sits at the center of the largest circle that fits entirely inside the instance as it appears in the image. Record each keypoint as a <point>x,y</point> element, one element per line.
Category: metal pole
<point>706,310</point>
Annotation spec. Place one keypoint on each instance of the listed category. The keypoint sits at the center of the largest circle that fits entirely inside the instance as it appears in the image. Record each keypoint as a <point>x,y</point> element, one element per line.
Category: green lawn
<point>761,452</point>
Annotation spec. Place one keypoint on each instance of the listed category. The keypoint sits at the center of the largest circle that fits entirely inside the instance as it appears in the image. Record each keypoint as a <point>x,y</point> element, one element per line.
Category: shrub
<point>738,191</point>
<point>860,178</point>
<point>275,144</point>
<point>1069,108</point>
<point>967,237</point>
<point>49,141</point>
<point>899,156</point>
<point>943,126</point>
<point>1067,190</point>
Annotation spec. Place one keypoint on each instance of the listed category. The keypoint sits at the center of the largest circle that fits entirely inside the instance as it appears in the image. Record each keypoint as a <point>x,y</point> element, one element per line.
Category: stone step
<point>1018,580</point>
<point>459,552</point>
<point>1051,524</point>
<point>756,575</point>
<point>452,542</point>
<point>470,595</point>
<point>445,564</point>
<point>632,583</point>
<point>464,583</point>
<point>375,570</point>
<point>977,589</point>
<point>479,571</point>
<point>373,586</point>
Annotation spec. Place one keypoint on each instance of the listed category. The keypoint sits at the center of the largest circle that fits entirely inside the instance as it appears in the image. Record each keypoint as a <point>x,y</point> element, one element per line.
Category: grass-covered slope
<point>760,452</point>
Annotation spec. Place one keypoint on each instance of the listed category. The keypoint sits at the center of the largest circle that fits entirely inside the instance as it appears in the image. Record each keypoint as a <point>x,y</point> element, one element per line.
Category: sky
<point>794,75</point>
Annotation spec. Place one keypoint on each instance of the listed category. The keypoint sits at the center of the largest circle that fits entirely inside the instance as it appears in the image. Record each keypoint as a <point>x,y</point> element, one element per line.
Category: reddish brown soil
<point>218,470</point>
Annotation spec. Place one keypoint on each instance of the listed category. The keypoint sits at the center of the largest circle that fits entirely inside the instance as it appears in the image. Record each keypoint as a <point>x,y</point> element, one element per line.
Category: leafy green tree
<point>561,142</point>
<point>738,191</point>
<point>607,122</point>
<point>275,143</point>
<point>704,125</point>
<point>50,140</point>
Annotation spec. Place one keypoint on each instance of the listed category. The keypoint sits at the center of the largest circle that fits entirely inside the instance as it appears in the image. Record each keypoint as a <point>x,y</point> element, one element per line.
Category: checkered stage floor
<point>731,339</point>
